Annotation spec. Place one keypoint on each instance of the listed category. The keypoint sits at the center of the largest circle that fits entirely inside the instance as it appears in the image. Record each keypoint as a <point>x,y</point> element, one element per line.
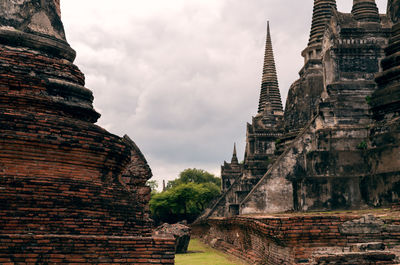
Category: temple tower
<point>67,185</point>
<point>234,159</point>
<point>304,94</point>
<point>365,11</point>
<point>322,13</point>
<point>386,100</point>
<point>230,172</point>
<point>266,125</point>
<point>353,47</point>
<point>269,85</point>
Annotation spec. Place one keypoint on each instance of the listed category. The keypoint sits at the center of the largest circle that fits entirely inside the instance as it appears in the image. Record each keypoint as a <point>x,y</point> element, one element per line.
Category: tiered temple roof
<point>321,15</point>
<point>269,86</point>
<point>234,156</point>
<point>365,11</point>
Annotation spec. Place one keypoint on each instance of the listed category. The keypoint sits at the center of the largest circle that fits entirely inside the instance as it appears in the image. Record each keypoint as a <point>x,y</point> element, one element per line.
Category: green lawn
<point>201,254</point>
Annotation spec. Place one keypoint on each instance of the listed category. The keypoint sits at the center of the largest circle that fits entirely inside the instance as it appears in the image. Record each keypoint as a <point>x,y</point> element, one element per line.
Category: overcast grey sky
<point>182,77</point>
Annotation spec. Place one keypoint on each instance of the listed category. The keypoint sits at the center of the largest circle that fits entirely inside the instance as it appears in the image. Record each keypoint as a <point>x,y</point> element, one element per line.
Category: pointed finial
<point>234,156</point>
<point>269,86</point>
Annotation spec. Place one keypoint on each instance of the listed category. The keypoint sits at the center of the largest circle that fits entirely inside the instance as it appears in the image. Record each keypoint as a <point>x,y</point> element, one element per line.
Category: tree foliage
<point>153,185</point>
<point>185,197</point>
<point>194,175</point>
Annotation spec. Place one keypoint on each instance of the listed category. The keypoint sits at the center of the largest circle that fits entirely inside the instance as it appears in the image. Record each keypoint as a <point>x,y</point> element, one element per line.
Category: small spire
<point>322,13</point>
<point>234,156</point>
<point>269,86</point>
<point>365,11</point>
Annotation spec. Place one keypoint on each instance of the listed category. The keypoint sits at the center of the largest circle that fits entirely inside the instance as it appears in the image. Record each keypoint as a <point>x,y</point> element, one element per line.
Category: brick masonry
<point>306,239</point>
<point>55,249</point>
<point>70,192</point>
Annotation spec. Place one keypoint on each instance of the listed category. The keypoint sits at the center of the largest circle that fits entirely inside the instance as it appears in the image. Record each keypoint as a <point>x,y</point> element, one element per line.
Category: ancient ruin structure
<point>261,138</point>
<point>337,147</point>
<point>321,153</point>
<point>70,192</point>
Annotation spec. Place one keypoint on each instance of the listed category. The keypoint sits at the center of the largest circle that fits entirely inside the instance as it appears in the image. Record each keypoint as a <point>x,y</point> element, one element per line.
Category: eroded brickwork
<point>68,249</point>
<point>307,239</point>
<point>70,192</point>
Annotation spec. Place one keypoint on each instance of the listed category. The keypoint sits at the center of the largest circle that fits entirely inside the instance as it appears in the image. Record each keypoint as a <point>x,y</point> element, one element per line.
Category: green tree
<point>194,175</point>
<point>153,184</point>
<point>186,197</point>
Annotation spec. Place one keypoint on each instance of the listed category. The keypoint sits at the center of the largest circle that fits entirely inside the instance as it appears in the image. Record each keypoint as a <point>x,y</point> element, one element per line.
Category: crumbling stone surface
<point>181,233</point>
<point>357,258</point>
<point>365,225</point>
<point>32,16</point>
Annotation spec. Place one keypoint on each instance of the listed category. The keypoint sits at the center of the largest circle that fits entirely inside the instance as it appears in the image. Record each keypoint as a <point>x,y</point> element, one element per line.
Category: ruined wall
<point>48,141</point>
<point>70,249</point>
<point>308,239</point>
<point>68,188</point>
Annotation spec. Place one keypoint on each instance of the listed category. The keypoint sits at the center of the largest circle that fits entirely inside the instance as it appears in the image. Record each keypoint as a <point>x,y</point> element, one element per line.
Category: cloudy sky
<point>182,77</point>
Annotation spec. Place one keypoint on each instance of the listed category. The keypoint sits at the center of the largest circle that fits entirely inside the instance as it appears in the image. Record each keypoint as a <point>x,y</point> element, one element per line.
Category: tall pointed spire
<point>365,10</point>
<point>269,87</point>
<point>234,156</point>
<point>322,13</point>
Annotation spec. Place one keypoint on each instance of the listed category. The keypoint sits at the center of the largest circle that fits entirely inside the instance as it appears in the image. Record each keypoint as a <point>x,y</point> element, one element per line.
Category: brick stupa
<point>70,192</point>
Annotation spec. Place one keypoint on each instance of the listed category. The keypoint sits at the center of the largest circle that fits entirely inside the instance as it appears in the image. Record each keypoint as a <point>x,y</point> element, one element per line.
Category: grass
<point>201,254</point>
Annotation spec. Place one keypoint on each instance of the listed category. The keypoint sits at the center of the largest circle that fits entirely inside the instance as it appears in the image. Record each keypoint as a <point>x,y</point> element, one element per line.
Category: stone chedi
<point>70,192</point>
<point>337,144</point>
<point>304,93</point>
<point>262,133</point>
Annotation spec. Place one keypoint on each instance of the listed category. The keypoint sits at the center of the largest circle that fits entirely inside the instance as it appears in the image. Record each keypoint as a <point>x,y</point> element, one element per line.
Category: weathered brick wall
<point>48,249</point>
<point>43,205</point>
<point>56,165</point>
<point>298,239</point>
<point>70,192</point>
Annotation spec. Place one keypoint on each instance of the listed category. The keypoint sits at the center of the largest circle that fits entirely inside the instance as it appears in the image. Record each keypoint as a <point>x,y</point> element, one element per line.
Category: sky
<point>182,77</point>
